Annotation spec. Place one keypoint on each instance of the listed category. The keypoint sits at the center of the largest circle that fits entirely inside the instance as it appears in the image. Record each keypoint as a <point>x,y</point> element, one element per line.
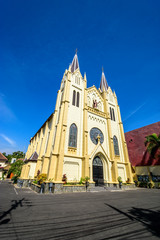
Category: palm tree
<point>153,144</point>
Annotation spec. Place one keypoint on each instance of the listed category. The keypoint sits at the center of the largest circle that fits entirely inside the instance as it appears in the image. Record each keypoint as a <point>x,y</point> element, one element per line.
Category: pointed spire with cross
<point>75,63</point>
<point>103,84</point>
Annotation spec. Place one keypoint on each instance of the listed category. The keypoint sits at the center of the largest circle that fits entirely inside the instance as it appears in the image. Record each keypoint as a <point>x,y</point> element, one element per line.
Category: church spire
<point>75,63</point>
<point>103,84</point>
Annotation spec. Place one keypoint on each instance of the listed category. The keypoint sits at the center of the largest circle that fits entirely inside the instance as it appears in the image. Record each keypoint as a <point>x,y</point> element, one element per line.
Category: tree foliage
<point>16,168</point>
<point>153,144</point>
<point>16,155</point>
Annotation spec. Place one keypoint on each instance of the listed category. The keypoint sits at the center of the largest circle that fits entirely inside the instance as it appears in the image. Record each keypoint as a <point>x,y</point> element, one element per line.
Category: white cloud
<point>10,141</point>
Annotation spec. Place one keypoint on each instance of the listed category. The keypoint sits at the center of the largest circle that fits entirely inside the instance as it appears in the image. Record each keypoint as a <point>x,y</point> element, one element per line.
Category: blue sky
<point>37,43</point>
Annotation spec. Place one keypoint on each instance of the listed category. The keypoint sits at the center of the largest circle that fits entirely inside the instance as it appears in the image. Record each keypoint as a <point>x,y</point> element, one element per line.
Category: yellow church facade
<point>83,137</point>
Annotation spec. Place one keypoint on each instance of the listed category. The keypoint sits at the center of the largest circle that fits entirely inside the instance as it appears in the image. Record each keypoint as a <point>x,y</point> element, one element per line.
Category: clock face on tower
<point>94,132</point>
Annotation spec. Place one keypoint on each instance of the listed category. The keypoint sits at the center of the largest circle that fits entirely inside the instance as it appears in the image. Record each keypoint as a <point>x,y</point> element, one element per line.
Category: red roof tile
<point>136,149</point>
<point>2,157</point>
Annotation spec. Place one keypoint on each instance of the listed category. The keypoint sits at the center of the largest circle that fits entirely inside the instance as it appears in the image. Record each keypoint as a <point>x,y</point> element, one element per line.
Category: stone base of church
<point>116,186</point>
<point>59,187</point>
<point>24,182</point>
<point>129,186</point>
<point>111,185</point>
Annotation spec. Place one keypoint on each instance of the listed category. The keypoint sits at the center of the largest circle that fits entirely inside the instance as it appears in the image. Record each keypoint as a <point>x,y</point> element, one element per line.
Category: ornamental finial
<point>98,138</point>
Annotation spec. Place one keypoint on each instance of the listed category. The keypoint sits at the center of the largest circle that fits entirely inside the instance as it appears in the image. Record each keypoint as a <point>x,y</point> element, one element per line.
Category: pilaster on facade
<point>124,146</point>
<point>41,154</point>
<point>110,137</point>
<point>45,165</point>
<point>40,142</point>
<point>31,149</point>
<point>26,171</point>
<point>38,167</point>
<point>28,151</point>
<point>50,140</point>
<point>85,160</point>
<point>61,130</point>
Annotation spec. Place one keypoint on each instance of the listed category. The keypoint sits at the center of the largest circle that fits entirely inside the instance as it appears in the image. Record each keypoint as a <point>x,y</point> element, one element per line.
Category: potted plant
<point>120,181</point>
<point>64,178</point>
<point>87,182</point>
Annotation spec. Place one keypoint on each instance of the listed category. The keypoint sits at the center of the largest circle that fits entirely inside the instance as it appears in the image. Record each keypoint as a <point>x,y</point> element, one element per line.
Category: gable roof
<point>2,157</point>
<point>33,157</point>
<point>90,89</point>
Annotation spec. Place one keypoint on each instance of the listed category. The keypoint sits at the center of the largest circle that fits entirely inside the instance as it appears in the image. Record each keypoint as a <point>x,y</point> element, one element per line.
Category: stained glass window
<point>97,161</point>
<point>77,99</point>
<point>111,113</point>
<point>73,136</point>
<point>116,148</point>
<point>74,98</point>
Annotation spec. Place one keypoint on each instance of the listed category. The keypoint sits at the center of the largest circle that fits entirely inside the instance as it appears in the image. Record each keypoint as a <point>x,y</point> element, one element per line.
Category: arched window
<point>97,161</point>
<point>74,98</point>
<point>113,114</point>
<point>116,148</point>
<point>77,99</point>
<point>73,136</point>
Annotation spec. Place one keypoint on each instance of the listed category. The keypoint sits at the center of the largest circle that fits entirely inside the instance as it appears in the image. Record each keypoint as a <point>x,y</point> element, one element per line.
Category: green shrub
<point>35,181</point>
<point>86,178</point>
<point>14,179</point>
<point>82,180</point>
<point>119,179</point>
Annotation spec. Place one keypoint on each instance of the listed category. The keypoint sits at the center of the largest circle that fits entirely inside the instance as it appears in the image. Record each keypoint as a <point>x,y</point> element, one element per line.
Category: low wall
<point>128,186</point>
<point>74,188</point>
<point>58,188</point>
<point>35,187</point>
<point>23,182</point>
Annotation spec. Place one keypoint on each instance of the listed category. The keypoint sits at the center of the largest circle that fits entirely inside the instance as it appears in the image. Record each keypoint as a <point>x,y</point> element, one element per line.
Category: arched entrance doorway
<point>98,171</point>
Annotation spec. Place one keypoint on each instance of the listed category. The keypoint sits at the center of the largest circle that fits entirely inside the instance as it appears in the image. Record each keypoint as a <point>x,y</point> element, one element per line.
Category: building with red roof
<point>139,157</point>
<point>3,163</point>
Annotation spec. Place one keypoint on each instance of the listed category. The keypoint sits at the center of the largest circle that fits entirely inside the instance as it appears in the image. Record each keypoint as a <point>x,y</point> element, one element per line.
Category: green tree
<point>16,168</point>
<point>153,144</point>
<point>18,154</point>
<point>4,153</point>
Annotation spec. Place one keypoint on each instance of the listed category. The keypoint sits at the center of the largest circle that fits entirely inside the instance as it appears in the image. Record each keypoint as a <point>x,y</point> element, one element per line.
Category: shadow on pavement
<point>149,218</point>
<point>15,205</point>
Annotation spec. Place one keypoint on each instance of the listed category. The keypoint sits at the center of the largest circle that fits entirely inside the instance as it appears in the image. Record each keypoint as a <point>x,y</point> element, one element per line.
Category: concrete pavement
<point>133,214</point>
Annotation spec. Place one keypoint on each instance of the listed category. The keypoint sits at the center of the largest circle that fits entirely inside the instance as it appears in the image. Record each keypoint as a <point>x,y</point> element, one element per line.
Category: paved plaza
<point>130,214</point>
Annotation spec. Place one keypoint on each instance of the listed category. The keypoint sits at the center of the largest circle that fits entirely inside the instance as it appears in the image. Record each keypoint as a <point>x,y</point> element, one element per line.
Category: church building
<point>84,137</point>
